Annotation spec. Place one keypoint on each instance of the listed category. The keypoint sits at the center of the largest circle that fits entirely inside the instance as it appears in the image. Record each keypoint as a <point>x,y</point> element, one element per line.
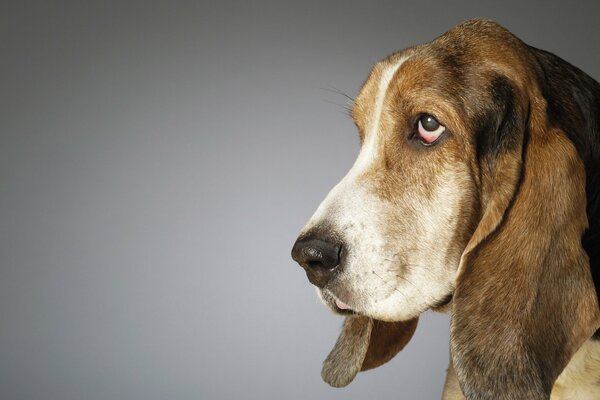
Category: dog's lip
<point>336,304</point>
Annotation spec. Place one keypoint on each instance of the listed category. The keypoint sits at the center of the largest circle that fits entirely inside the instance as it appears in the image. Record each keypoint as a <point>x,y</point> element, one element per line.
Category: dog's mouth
<point>341,305</point>
<point>335,304</point>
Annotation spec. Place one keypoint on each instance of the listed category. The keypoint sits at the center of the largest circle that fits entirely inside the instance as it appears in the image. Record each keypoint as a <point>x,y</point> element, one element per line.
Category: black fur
<point>499,128</point>
<point>574,106</point>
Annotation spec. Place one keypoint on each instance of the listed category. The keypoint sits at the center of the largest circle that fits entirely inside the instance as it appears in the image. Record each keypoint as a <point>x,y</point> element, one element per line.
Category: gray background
<point>156,163</point>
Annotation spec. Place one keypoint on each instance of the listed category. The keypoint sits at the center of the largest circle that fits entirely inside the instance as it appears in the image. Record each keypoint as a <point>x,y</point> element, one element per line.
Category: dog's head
<point>463,189</point>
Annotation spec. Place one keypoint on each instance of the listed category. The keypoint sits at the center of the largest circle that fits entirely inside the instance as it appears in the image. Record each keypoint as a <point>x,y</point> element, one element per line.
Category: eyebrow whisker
<point>335,90</point>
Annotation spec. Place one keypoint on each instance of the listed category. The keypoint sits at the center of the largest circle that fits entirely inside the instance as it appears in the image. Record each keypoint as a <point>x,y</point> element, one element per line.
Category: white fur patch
<point>580,380</point>
<point>369,151</point>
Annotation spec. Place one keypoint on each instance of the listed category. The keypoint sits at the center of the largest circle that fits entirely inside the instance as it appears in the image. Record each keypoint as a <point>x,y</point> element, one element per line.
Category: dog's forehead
<point>451,75</point>
<point>368,104</point>
<point>414,80</point>
<point>469,54</point>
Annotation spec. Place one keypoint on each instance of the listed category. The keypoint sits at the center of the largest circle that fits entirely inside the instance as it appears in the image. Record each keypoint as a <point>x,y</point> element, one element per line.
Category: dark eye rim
<point>414,134</point>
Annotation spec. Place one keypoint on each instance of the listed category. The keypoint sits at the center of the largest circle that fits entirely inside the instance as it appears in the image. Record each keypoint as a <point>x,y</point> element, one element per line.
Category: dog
<point>476,191</point>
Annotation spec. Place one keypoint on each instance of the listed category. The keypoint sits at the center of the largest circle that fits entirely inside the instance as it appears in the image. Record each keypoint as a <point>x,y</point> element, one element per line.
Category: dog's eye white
<point>429,129</point>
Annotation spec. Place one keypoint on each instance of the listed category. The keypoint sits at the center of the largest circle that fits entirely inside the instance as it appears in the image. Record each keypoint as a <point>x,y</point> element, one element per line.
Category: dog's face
<point>467,186</point>
<point>401,217</point>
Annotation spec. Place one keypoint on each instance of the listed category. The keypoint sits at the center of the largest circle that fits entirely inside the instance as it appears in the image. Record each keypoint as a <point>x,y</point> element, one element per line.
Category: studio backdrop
<point>157,161</point>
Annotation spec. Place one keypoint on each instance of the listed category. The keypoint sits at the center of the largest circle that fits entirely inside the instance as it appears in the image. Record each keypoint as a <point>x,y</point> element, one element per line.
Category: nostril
<point>314,264</point>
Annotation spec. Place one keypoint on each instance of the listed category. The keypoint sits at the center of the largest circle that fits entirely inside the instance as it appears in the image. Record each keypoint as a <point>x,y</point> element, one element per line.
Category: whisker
<point>335,90</point>
<point>344,106</point>
<point>349,99</point>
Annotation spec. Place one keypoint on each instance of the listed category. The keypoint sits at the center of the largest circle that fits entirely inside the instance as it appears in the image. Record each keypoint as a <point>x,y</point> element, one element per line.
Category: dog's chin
<point>339,307</point>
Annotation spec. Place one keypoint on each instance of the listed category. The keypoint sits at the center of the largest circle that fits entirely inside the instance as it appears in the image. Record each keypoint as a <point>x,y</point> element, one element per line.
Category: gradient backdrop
<point>156,163</point>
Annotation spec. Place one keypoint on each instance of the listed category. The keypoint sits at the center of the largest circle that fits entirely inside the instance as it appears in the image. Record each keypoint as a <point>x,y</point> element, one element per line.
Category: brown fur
<point>537,305</point>
<point>387,339</point>
<point>364,344</point>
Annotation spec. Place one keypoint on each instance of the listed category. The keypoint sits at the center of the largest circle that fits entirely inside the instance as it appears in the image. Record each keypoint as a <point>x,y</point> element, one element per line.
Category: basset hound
<point>475,191</point>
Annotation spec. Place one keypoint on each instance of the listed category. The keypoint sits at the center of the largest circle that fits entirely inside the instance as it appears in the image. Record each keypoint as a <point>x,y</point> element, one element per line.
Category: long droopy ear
<point>524,299</point>
<point>364,344</point>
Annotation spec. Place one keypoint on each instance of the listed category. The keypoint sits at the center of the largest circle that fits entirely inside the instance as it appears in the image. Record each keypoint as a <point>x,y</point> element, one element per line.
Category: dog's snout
<point>320,258</point>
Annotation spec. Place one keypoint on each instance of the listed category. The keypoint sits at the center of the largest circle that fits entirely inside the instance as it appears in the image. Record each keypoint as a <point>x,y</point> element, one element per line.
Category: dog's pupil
<point>429,123</point>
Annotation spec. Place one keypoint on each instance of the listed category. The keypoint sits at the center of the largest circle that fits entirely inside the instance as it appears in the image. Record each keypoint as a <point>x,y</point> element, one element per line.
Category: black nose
<point>320,259</point>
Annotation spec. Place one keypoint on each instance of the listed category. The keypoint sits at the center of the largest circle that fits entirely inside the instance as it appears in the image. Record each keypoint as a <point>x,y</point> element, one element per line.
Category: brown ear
<point>525,299</point>
<point>363,344</point>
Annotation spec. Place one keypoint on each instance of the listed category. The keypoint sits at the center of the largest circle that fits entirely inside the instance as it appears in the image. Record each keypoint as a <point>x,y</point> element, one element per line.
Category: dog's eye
<point>429,129</point>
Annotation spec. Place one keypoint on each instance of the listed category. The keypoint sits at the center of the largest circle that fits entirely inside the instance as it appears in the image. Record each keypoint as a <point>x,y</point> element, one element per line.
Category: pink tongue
<point>341,306</point>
